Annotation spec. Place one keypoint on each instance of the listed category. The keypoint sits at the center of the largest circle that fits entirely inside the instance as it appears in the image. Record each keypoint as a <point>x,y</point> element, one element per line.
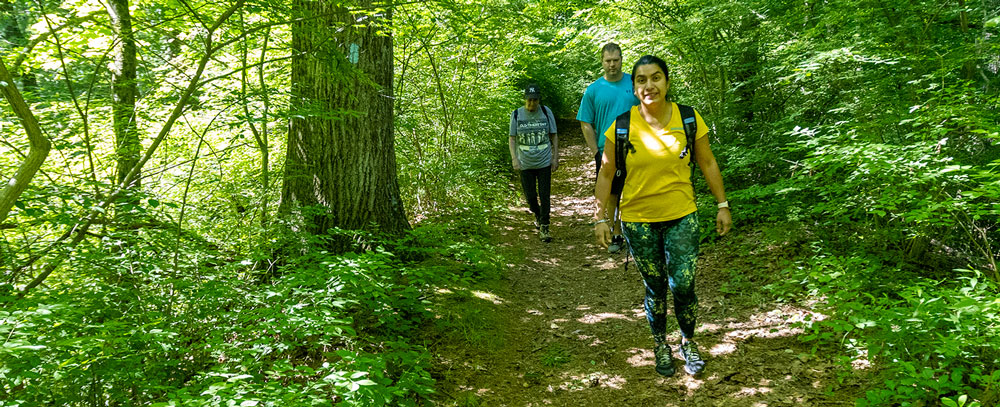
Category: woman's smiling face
<point>650,84</point>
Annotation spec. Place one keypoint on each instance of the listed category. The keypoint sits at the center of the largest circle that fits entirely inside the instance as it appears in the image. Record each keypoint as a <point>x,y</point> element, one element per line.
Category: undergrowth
<point>928,340</point>
<point>127,328</point>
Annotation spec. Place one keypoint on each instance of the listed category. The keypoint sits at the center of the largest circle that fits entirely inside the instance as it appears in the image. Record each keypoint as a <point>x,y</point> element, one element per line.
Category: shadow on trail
<point>566,327</point>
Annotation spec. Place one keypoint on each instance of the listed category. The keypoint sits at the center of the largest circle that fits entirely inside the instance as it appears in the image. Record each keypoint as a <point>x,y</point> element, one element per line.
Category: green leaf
<point>865,324</point>
<point>24,347</point>
<point>153,202</point>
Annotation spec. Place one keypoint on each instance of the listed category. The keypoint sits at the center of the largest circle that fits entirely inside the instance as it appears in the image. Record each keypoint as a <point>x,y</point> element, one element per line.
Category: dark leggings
<point>665,254</point>
<point>537,183</point>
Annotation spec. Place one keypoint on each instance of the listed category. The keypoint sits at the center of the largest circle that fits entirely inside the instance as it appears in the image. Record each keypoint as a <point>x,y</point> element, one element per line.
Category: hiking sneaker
<point>664,360</point>
<point>693,363</point>
<point>543,233</point>
<point>617,242</point>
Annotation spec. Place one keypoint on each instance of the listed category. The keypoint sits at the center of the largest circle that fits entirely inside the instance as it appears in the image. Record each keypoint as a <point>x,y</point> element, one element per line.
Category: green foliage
<point>873,126</point>
<point>324,328</point>
<point>470,321</point>
<point>555,355</point>
<point>928,338</point>
<point>961,401</point>
<point>461,69</point>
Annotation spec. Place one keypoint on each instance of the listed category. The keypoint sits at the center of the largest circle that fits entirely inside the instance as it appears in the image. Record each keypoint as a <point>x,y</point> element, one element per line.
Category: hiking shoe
<point>664,360</point>
<point>617,242</point>
<point>543,233</point>
<point>693,363</point>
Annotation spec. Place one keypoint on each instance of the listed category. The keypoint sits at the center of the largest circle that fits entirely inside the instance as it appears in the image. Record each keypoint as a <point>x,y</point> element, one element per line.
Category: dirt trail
<point>567,326</point>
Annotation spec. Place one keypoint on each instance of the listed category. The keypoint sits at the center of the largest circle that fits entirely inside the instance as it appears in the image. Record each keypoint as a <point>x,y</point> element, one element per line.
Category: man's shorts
<point>597,159</point>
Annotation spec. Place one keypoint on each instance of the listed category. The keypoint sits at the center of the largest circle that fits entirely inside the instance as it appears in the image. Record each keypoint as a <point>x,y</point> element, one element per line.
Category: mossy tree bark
<point>124,91</point>
<point>39,145</point>
<point>341,156</point>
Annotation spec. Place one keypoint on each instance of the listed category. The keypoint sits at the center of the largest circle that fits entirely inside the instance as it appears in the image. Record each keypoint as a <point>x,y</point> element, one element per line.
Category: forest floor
<point>565,326</point>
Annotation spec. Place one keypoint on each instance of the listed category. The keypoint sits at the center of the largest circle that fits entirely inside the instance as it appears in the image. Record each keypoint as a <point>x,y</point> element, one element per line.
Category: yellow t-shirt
<point>658,183</point>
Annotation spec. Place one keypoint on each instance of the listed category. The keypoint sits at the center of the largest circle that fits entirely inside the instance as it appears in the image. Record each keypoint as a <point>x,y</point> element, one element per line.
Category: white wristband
<point>723,204</point>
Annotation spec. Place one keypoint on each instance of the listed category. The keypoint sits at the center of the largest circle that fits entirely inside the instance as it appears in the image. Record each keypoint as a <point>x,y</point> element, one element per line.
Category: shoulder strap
<point>544,111</point>
<point>622,146</point>
<point>690,129</point>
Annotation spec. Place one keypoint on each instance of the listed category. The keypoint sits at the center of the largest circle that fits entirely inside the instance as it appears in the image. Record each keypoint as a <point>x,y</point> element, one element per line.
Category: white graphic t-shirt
<point>531,130</point>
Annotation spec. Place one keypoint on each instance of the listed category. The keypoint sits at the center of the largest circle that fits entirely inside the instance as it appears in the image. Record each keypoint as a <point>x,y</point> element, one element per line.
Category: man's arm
<point>587,117</point>
<point>554,140</point>
<point>590,136</point>
<point>513,142</point>
<point>513,153</point>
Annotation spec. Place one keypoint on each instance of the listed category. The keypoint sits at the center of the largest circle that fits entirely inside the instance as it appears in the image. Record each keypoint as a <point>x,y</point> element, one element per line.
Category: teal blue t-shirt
<point>603,101</point>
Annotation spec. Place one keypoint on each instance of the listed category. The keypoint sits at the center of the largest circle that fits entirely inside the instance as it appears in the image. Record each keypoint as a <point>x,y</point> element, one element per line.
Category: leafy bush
<point>895,198</point>
<point>929,338</point>
<point>125,327</point>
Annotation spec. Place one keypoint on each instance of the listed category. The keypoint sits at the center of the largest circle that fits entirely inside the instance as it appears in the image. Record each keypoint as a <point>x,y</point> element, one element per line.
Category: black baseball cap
<point>532,92</point>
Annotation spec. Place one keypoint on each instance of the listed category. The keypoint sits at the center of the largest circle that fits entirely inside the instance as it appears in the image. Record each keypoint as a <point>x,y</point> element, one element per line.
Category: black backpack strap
<point>545,111</point>
<point>622,146</point>
<point>690,129</point>
<point>515,113</point>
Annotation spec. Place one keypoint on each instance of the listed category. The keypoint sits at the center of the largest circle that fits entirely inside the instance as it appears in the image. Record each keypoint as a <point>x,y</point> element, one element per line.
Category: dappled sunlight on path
<point>567,328</point>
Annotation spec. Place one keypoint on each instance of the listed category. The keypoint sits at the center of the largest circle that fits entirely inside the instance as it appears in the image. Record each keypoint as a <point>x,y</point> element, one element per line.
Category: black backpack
<point>622,144</point>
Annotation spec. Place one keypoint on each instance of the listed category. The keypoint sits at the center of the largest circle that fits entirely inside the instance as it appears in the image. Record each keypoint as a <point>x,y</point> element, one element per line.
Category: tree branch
<point>39,145</point>
<point>70,22</point>
<point>79,230</point>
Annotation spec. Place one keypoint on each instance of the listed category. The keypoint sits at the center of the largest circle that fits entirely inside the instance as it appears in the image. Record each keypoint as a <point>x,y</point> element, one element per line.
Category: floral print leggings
<point>665,253</point>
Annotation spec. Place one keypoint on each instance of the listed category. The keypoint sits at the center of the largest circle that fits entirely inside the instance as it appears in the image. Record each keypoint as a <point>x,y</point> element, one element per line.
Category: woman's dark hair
<point>649,59</point>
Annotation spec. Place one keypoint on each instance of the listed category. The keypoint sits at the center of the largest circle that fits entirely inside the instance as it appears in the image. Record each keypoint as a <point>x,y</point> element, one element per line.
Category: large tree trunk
<point>969,66</point>
<point>341,157</point>
<point>124,92</point>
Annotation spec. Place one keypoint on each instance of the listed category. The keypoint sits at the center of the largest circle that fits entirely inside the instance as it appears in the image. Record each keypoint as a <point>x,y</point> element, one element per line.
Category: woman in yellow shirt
<point>658,210</point>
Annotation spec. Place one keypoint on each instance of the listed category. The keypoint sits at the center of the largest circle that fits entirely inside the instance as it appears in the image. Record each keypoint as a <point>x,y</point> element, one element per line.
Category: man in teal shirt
<point>605,99</point>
